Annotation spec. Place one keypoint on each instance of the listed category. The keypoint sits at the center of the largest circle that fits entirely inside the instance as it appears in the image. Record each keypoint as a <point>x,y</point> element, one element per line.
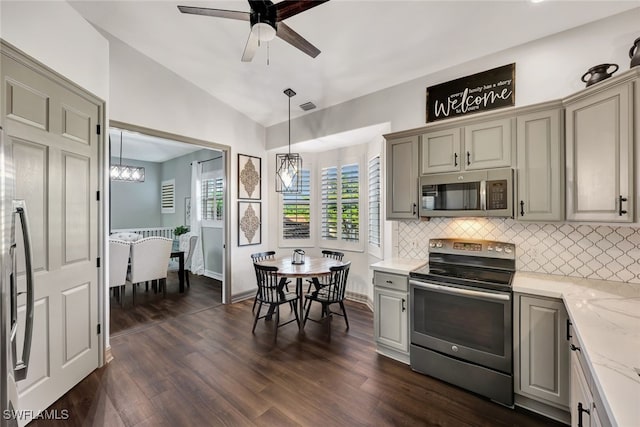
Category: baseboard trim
<point>243,296</point>
<point>213,275</point>
<point>361,298</point>
<point>108,355</point>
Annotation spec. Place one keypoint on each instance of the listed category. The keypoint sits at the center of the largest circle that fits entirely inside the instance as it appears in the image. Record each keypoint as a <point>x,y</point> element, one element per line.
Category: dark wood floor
<point>207,369</point>
<point>151,308</point>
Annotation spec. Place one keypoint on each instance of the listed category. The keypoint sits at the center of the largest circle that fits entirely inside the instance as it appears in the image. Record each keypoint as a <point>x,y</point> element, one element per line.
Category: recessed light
<point>536,1</point>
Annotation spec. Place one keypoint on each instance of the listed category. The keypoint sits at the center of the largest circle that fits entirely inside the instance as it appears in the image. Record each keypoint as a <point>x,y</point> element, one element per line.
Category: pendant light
<point>288,165</point>
<point>126,173</point>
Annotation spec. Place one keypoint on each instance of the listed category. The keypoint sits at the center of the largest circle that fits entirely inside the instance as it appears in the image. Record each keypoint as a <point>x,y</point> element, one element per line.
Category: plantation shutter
<point>329,195</point>
<point>168,196</point>
<point>374,201</point>
<point>219,198</point>
<point>296,210</point>
<point>350,202</point>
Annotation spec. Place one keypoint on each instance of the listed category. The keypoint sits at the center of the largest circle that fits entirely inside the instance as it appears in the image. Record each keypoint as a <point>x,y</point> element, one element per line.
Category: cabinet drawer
<point>391,281</point>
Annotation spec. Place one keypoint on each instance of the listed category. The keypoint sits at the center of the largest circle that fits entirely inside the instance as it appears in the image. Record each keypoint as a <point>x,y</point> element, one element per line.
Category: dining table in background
<point>312,267</point>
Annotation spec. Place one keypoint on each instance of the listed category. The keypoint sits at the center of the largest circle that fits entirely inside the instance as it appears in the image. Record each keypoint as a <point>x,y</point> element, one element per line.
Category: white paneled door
<point>53,130</point>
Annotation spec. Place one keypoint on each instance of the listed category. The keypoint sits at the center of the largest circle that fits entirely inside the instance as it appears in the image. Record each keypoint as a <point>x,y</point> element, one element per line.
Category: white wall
<point>146,94</point>
<point>55,34</point>
<point>546,69</point>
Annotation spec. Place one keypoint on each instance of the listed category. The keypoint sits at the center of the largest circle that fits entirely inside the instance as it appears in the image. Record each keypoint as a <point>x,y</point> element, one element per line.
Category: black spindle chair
<point>271,292</point>
<point>262,256</point>
<point>332,293</point>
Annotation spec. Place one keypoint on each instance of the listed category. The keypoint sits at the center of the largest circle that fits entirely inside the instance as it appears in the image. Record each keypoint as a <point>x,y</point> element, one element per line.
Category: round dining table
<point>312,267</point>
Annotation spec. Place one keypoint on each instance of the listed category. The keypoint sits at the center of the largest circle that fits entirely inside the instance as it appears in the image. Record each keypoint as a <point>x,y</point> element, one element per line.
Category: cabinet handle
<point>580,411</point>
<point>521,207</point>
<point>455,159</point>
<point>404,306</point>
<point>414,208</point>
<point>574,348</point>
<point>468,158</point>
<point>568,329</point>
<point>389,281</point>
<point>620,200</point>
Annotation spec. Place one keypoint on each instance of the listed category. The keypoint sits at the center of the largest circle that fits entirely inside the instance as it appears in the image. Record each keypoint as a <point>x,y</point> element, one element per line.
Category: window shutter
<point>374,201</point>
<point>329,194</point>
<point>296,210</point>
<point>168,196</point>
<point>219,198</point>
<point>350,202</point>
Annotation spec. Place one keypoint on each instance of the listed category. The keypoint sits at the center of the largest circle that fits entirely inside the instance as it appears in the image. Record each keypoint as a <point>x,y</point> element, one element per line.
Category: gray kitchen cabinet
<point>599,148</point>
<point>440,151</point>
<point>541,355</point>
<point>402,178</point>
<point>540,149</point>
<point>488,144</point>
<point>391,315</point>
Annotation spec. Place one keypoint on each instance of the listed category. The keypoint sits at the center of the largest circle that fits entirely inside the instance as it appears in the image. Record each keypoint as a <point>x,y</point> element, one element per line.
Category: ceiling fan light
<point>263,31</point>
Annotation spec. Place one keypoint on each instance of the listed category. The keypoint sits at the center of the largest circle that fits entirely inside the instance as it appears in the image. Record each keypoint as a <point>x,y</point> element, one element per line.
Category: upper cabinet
<point>440,151</point>
<point>540,166</point>
<point>402,177</point>
<point>488,144</point>
<point>599,147</point>
<point>481,145</point>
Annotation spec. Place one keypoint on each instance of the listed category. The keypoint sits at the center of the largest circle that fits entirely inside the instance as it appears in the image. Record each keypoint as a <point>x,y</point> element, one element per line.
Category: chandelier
<point>126,173</point>
<point>288,165</point>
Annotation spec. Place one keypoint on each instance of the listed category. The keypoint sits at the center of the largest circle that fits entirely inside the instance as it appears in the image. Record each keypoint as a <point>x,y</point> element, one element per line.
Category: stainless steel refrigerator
<point>15,284</point>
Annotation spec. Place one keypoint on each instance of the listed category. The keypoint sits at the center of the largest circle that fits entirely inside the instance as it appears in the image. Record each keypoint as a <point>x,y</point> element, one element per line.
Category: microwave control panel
<point>497,194</point>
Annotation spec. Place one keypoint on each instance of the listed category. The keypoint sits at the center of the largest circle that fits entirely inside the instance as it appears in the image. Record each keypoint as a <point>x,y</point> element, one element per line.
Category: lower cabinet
<point>585,402</point>
<point>541,356</point>
<point>391,315</point>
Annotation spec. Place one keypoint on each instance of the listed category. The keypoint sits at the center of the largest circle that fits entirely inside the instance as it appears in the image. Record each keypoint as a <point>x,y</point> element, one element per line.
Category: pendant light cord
<point>289,125</point>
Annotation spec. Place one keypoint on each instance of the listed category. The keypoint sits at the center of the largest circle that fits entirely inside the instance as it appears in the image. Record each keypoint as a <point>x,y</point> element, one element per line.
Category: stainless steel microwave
<point>482,193</point>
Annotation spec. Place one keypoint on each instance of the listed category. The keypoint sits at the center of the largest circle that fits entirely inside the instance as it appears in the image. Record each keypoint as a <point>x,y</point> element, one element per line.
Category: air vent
<point>308,106</point>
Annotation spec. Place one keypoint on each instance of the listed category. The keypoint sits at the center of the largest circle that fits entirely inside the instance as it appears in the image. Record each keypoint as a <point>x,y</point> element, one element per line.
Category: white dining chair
<point>149,260</point>
<point>126,236</point>
<point>190,242</point>
<point>118,263</point>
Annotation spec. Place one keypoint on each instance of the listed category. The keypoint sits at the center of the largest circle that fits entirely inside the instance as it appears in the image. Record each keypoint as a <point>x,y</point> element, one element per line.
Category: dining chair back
<point>332,293</point>
<point>118,264</point>
<point>149,260</point>
<point>126,236</point>
<point>319,282</point>
<point>271,292</point>
<point>333,254</point>
<point>263,256</point>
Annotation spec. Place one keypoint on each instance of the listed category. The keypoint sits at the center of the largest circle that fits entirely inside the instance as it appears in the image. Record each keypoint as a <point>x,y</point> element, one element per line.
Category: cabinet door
<point>600,156</point>
<point>488,145</point>
<point>580,396</point>
<point>391,319</point>
<point>540,167</point>
<point>544,352</point>
<point>440,151</point>
<point>402,178</point>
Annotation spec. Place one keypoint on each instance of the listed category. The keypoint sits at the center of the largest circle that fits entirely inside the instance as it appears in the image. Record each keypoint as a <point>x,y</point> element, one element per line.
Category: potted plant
<point>179,230</point>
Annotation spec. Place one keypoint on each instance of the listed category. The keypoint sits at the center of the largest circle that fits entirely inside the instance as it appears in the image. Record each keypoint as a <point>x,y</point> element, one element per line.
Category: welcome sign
<point>483,91</point>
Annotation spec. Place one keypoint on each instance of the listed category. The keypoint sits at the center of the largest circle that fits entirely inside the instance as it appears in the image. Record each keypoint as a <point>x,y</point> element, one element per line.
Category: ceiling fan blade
<point>286,9</point>
<point>250,48</point>
<point>296,40</point>
<point>218,13</point>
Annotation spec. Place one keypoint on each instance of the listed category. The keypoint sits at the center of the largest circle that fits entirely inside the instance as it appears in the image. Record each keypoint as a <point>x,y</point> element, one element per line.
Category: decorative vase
<point>634,53</point>
<point>598,73</point>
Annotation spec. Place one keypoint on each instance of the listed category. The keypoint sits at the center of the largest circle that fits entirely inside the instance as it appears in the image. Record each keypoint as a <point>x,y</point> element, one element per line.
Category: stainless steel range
<point>461,316</point>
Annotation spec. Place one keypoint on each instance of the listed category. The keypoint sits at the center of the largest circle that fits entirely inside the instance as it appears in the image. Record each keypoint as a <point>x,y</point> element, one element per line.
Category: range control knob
<point>507,250</point>
<point>498,248</point>
<point>454,348</point>
<point>432,244</point>
<point>438,244</point>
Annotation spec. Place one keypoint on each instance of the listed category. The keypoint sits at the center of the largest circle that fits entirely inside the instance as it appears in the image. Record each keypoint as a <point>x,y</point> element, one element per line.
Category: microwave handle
<point>483,195</point>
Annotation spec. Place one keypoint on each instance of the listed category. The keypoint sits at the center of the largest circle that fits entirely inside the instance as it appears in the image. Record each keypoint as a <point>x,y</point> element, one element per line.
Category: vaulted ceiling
<point>365,45</point>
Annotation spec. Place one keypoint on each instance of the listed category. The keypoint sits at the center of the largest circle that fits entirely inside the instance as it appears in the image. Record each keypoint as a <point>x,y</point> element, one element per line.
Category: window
<point>296,211</point>
<point>340,204</point>
<point>212,199</point>
<point>168,196</point>
<point>374,201</point>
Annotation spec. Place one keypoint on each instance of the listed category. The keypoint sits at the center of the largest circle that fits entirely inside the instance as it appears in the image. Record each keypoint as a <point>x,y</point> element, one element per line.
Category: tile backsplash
<point>569,249</point>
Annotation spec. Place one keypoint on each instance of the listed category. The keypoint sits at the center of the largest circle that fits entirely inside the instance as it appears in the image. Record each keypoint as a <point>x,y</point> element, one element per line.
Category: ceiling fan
<point>266,23</point>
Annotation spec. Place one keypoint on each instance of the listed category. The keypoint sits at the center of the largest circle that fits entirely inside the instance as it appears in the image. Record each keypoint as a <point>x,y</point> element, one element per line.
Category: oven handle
<point>466,292</point>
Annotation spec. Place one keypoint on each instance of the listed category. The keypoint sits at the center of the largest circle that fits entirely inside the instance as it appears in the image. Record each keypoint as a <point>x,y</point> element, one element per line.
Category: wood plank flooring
<point>205,368</point>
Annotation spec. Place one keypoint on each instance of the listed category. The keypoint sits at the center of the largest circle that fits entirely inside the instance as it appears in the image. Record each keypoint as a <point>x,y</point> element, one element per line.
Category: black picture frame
<point>249,223</point>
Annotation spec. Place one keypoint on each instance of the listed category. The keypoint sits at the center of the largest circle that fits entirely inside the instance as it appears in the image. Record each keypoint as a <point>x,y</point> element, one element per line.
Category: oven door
<point>471,324</point>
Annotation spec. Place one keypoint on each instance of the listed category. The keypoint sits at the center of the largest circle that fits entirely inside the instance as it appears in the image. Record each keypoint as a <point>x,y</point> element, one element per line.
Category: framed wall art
<point>249,223</point>
<point>249,177</point>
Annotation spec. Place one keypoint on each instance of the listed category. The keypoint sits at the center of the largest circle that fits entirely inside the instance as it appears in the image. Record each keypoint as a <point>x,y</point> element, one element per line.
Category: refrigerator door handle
<point>21,366</point>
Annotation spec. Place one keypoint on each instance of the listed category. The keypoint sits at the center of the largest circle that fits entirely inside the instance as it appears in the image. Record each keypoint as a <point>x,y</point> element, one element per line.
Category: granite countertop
<point>398,265</point>
<point>606,320</point>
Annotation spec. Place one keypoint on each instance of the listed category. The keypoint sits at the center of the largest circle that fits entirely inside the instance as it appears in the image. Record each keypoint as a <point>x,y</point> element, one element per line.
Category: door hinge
<point>98,129</point>
<point>98,262</point>
<point>98,196</point>
<point>99,329</point>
